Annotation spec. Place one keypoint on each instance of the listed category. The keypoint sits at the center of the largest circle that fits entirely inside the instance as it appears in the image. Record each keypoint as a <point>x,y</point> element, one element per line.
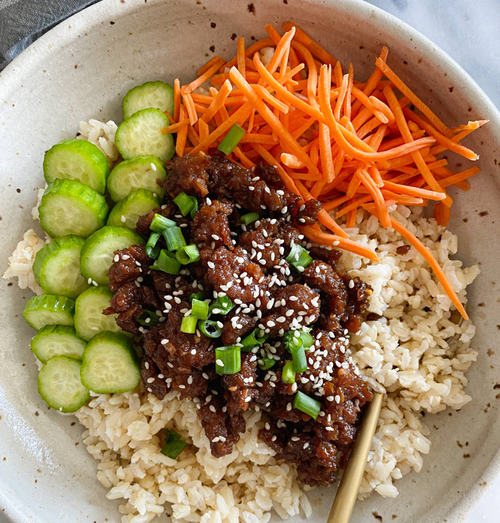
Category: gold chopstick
<point>351,480</point>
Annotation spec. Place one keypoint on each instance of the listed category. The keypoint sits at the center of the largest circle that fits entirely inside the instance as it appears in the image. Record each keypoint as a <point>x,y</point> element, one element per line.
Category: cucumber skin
<point>89,151</point>
<point>46,253</point>
<point>116,192</point>
<point>123,128</point>
<point>44,302</point>
<point>46,369</point>
<point>51,330</point>
<point>79,304</point>
<point>158,84</point>
<point>120,209</point>
<point>92,200</point>
<point>94,240</point>
<point>115,339</point>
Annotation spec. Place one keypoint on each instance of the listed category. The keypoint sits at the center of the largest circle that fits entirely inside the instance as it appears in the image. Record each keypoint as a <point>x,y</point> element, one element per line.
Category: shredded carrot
<point>354,146</point>
<point>175,127</point>
<point>240,55</point>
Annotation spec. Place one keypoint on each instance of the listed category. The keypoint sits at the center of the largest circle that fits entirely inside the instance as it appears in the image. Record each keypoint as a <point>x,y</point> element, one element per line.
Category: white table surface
<point>469,31</point>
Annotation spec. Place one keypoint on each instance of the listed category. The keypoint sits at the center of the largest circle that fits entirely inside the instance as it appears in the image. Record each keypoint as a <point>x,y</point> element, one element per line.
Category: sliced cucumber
<point>98,251</point>
<point>69,207</point>
<point>89,319</point>
<point>158,95</point>
<point>126,212</point>
<point>57,340</point>
<point>110,364</point>
<point>48,310</point>
<point>77,160</point>
<point>57,267</point>
<point>140,135</point>
<point>60,386</point>
<point>138,173</point>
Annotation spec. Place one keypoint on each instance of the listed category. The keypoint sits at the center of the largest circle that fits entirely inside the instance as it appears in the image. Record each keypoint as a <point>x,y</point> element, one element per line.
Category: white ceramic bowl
<point>82,69</point>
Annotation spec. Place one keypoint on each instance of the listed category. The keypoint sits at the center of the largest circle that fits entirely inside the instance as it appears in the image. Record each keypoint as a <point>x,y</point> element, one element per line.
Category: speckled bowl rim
<point>93,16</point>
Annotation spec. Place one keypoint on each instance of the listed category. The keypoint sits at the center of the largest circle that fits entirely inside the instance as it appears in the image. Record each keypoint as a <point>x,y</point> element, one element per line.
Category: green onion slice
<point>148,315</point>
<point>167,263</point>
<point>296,338</point>
<point>199,309</point>
<point>249,218</point>
<point>197,296</point>
<point>228,360</point>
<point>160,223</point>
<point>188,254</point>
<point>174,238</point>
<point>152,249</point>
<point>306,404</point>
<point>222,305</point>
<point>299,358</point>
<point>266,363</point>
<point>256,337</point>
<point>173,444</point>
<point>186,203</point>
<point>188,324</point>
<point>232,139</point>
<point>210,329</point>
<point>287,373</point>
<point>299,257</point>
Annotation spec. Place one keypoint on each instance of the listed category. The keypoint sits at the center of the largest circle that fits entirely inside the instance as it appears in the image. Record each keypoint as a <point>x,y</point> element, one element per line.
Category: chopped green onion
<point>174,238</point>
<point>249,218</point>
<point>266,363</point>
<point>287,373</point>
<point>228,360</point>
<point>188,324</point>
<point>232,139</point>
<point>159,223</point>
<point>299,358</point>
<point>186,203</point>
<point>146,314</point>
<point>153,250</point>
<point>299,257</point>
<point>188,254</point>
<point>222,305</point>
<point>166,263</point>
<point>173,444</point>
<point>256,337</point>
<point>197,296</point>
<point>199,309</point>
<point>210,329</point>
<point>306,404</point>
<point>295,338</point>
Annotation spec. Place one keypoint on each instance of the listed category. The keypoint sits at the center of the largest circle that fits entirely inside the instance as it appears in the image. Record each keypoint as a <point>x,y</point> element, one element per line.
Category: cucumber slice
<point>89,319</point>
<point>126,212</point>
<point>138,173</point>
<point>98,251</point>
<point>48,310</point>
<point>110,364</point>
<point>158,95</point>
<point>57,340</point>
<point>69,207</point>
<point>60,386</point>
<point>77,160</point>
<point>140,135</point>
<point>57,267</point>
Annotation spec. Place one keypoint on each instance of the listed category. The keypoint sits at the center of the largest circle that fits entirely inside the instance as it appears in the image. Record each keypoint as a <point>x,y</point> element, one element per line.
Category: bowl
<point>82,69</point>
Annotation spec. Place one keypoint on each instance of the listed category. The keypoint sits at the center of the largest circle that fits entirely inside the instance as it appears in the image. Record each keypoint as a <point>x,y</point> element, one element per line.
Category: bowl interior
<point>82,69</point>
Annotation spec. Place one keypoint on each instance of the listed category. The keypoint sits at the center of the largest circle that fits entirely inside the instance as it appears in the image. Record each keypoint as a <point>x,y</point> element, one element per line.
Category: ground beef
<point>269,295</point>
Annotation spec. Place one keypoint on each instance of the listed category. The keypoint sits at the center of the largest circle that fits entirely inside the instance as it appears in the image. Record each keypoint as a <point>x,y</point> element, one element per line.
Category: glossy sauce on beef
<point>247,264</point>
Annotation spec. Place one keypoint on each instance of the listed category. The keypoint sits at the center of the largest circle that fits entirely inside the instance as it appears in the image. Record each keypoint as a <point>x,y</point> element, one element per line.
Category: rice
<point>22,259</point>
<point>417,351</point>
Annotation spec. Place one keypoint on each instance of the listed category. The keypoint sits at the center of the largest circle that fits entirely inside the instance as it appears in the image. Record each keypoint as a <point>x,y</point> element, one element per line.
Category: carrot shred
<point>177,98</point>
<point>240,55</point>
<point>204,68</point>
<point>315,48</point>
<point>175,127</point>
<point>181,135</point>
